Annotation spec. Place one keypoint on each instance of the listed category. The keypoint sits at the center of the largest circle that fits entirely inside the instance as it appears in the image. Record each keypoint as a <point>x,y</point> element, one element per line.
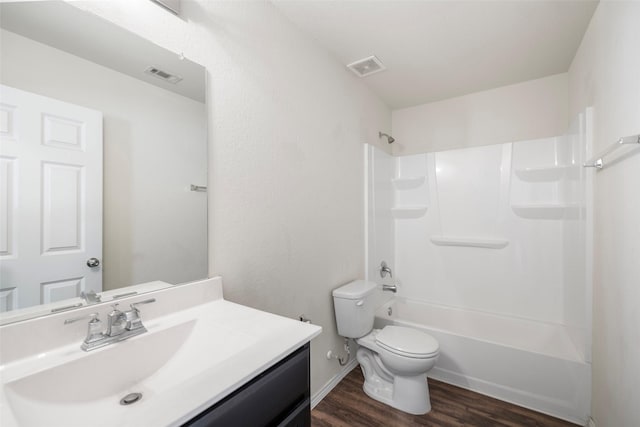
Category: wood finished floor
<point>347,405</point>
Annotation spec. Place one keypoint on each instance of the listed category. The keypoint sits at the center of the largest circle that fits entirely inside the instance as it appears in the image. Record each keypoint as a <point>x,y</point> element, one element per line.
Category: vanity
<point>203,361</point>
<point>279,396</point>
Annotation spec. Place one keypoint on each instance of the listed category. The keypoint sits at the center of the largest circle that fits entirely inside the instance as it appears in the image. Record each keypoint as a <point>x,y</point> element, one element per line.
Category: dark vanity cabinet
<point>277,397</point>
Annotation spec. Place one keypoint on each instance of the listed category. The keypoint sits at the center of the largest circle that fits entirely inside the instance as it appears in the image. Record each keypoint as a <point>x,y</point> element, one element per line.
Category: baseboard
<point>320,394</point>
<point>535,402</point>
<point>591,423</point>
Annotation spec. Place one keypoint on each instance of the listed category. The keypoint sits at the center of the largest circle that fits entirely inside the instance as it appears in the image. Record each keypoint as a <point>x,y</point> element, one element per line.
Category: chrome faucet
<point>384,270</point>
<point>390,288</point>
<point>116,322</point>
<point>120,326</point>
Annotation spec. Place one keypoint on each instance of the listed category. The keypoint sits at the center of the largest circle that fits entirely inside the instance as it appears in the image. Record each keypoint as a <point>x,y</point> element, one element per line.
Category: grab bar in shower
<point>598,161</point>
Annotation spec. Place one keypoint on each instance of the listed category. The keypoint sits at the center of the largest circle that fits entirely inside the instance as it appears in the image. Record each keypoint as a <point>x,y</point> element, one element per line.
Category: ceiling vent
<point>163,75</point>
<point>367,66</point>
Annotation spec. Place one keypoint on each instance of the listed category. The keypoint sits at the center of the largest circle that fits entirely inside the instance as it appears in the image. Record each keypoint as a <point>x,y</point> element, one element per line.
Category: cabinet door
<point>300,417</point>
<point>277,397</point>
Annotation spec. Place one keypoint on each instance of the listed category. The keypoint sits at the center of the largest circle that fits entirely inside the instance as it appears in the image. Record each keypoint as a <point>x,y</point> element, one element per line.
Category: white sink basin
<point>89,378</point>
<point>186,362</point>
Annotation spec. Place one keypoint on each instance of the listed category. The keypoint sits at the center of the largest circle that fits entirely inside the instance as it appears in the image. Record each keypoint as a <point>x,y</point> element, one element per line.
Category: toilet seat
<point>407,342</point>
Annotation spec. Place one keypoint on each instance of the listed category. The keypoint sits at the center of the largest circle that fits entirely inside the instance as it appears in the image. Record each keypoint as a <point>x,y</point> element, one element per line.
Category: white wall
<point>530,110</point>
<point>154,147</point>
<point>605,73</point>
<point>287,125</point>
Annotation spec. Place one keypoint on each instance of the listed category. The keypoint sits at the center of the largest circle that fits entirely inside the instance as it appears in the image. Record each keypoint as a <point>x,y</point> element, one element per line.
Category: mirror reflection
<point>102,161</point>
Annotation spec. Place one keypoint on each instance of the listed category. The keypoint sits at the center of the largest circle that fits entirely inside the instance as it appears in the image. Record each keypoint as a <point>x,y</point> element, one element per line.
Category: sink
<point>89,379</point>
<point>73,391</point>
<point>186,362</point>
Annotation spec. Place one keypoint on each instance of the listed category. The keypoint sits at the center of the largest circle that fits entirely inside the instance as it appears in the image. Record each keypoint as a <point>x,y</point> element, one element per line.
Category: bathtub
<point>528,363</point>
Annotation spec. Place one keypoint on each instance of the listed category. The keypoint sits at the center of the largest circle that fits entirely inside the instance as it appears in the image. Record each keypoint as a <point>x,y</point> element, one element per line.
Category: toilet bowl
<point>394,360</point>
<point>393,375</point>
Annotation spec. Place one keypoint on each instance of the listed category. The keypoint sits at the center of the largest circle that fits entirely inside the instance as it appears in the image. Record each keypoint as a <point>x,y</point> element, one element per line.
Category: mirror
<point>103,169</point>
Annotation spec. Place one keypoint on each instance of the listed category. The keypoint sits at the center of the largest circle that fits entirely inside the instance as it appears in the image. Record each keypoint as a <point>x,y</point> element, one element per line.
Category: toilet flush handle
<point>359,303</point>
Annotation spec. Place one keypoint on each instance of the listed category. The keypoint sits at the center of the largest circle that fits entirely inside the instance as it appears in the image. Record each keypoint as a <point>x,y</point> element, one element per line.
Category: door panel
<point>62,214</point>
<point>7,121</point>
<point>8,191</point>
<point>61,289</point>
<point>62,132</point>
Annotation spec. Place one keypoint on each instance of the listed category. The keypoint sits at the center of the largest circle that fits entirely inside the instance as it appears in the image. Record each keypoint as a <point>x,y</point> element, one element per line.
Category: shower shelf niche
<point>406,212</point>
<point>408,183</point>
<point>545,173</point>
<point>471,242</point>
<point>547,210</point>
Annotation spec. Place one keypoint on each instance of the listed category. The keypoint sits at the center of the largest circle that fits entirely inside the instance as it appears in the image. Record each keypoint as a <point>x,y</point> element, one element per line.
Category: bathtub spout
<point>390,288</point>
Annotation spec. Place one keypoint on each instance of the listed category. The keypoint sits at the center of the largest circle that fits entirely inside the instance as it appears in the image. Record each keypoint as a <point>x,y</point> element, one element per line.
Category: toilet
<point>395,359</point>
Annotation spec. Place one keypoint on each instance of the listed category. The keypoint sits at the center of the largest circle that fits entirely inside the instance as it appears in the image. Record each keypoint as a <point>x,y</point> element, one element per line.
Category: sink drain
<point>130,398</point>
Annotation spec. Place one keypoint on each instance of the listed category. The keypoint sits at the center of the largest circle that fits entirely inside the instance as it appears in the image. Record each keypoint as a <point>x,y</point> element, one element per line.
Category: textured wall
<point>605,73</point>
<point>287,125</point>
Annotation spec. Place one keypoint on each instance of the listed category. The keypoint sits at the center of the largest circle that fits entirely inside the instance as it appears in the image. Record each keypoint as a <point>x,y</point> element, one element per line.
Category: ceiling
<point>435,50</point>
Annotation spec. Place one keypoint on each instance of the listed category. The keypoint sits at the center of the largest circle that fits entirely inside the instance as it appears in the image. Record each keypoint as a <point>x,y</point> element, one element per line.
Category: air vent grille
<point>163,75</point>
<point>367,66</point>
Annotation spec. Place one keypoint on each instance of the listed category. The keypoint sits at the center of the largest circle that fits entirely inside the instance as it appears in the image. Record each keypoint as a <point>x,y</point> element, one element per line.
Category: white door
<point>50,199</point>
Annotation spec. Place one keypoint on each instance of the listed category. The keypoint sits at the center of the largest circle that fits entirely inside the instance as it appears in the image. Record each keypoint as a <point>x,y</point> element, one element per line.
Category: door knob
<point>93,262</point>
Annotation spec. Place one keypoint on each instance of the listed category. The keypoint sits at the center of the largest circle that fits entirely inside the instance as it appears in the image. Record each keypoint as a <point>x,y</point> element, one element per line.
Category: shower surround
<point>489,246</point>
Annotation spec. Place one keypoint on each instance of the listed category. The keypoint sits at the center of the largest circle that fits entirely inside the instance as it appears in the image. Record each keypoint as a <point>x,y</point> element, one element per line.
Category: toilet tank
<point>354,308</point>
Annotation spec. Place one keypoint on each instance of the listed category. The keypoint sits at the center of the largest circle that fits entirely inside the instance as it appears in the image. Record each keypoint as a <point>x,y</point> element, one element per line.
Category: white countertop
<point>215,348</point>
<point>266,340</point>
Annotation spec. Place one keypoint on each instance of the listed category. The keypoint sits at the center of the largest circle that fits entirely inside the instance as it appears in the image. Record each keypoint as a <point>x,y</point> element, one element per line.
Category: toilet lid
<point>407,341</point>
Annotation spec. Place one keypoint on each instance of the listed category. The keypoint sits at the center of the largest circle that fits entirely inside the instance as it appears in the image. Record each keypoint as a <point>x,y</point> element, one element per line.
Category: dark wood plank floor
<point>347,405</point>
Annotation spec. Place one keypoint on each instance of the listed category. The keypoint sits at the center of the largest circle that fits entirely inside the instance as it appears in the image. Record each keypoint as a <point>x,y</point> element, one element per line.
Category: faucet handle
<point>133,316</point>
<point>92,316</point>
<point>384,270</point>
<point>147,301</point>
<point>94,328</point>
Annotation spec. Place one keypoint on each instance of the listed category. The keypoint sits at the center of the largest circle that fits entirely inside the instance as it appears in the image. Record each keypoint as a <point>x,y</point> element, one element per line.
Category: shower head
<point>390,139</point>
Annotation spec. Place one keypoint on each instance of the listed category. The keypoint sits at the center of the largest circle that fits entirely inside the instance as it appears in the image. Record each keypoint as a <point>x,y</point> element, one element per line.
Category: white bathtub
<point>532,364</point>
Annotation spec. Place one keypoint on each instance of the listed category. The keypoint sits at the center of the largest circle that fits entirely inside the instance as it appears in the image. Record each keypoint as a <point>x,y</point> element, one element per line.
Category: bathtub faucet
<point>390,288</point>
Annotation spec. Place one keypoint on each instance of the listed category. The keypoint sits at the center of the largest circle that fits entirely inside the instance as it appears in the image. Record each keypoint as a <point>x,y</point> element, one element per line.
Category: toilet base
<point>408,394</point>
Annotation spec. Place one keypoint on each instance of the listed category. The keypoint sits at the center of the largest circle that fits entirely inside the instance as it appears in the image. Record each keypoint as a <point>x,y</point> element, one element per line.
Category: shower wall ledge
<point>406,212</point>
<point>547,173</point>
<point>408,183</point>
<point>471,242</point>
<point>547,210</point>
